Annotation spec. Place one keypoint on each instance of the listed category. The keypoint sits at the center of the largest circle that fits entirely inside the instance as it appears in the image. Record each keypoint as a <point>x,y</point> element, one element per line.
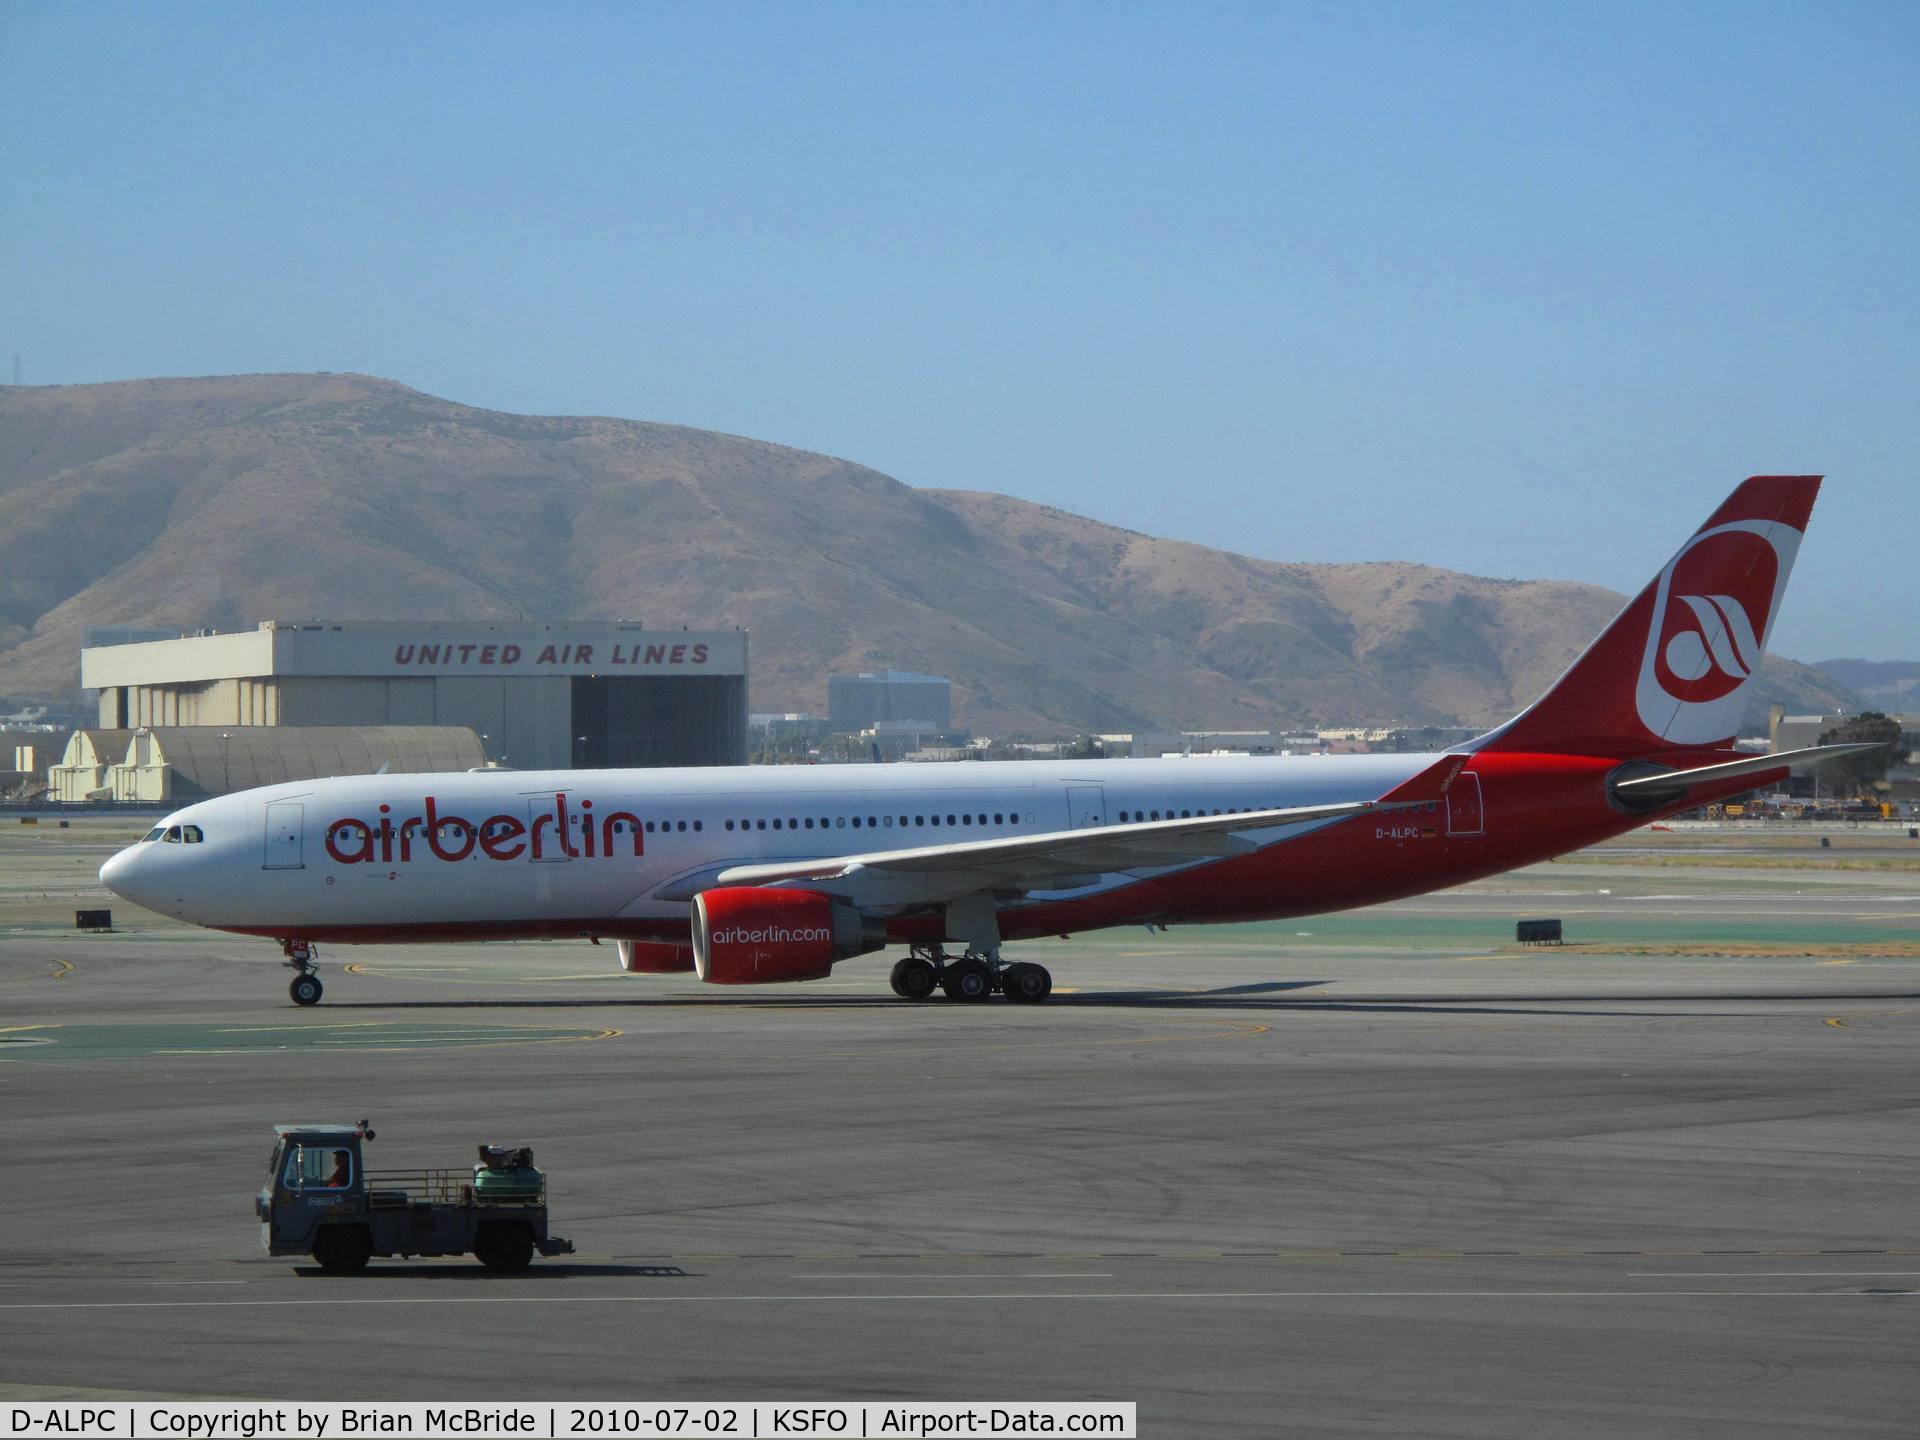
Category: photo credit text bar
<point>608,1420</point>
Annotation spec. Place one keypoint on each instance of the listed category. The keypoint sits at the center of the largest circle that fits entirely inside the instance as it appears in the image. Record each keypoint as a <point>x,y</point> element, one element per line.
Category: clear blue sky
<point>1517,289</point>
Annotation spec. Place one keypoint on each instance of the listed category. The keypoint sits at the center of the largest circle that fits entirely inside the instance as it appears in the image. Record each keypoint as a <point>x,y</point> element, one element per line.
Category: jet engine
<point>654,957</point>
<point>753,935</point>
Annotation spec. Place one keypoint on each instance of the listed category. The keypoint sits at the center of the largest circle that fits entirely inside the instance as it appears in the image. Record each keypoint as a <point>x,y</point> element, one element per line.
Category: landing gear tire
<point>342,1249</point>
<point>305,989</point>
<point>506,1249</point>
<point>914,978</point>
<point>969,980</point>
<point>1025,983</point>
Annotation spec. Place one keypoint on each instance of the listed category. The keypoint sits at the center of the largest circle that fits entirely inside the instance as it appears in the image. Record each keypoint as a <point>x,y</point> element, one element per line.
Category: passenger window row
<point>874,822</point>
<point>1134,817</point>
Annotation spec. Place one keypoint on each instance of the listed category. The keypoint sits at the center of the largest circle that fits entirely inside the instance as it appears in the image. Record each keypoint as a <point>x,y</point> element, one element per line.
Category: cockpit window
<point>153,834</point>
<point>172,837</point>
<point>190,834</point>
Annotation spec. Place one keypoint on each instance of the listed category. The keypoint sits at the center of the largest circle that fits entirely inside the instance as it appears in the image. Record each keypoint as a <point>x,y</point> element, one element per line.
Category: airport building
<point>859,702</point>
<point>178,764</point>
<point>539,696</point>
<point>1797,732</point>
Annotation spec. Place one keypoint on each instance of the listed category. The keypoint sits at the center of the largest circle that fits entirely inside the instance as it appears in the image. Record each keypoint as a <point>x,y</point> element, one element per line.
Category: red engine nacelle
<point>749,935</point>
<point>654,957</point>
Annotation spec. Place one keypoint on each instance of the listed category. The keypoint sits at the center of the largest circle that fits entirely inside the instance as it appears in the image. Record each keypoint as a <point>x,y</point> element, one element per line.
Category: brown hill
<point>227,500</point>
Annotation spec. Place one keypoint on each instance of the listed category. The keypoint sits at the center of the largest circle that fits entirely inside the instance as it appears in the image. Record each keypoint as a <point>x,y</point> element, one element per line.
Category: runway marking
<point>359,967</point>
<point>272,1029</point>
<point>1019,1275</point>
<point>962,1298</point>
<point>1204,1032</point>
<point>1765,1274</point>
<point>62,969</point>
<point>474,1039</point>
<point>118,1042</point>
<point>1290,1255</point>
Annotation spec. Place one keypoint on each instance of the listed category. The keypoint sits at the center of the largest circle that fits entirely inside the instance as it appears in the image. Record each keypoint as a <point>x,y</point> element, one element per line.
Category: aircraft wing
<point>1064,858</point>
<point>1733,769</point>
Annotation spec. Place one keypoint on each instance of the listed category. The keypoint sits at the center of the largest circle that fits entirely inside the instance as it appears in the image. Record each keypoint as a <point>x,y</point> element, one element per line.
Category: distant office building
<point>788,724</point>
<point>860,702</point>
<point>540,696</point>
<point>1153,745</point>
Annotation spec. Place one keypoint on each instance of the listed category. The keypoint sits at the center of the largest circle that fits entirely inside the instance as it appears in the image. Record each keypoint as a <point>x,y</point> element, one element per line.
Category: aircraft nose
<point>127,876</point>
<point>113,874</point>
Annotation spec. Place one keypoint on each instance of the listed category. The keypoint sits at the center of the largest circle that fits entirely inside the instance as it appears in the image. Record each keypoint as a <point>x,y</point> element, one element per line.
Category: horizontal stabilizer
<point>1734,769</point>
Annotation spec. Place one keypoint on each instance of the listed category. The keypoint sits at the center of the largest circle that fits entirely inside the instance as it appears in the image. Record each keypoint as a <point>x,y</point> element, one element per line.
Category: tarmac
<point>1382,1173</point>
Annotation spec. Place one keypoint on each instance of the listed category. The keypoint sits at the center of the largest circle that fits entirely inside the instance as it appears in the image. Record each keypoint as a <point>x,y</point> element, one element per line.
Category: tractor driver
<point>342,1168</point>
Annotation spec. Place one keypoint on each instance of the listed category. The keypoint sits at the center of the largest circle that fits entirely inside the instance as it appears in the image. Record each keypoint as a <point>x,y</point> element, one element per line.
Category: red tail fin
<point>1674,667</point>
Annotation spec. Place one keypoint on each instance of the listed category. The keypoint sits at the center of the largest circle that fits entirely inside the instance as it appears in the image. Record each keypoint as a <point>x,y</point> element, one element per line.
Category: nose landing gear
<point>305,988</point>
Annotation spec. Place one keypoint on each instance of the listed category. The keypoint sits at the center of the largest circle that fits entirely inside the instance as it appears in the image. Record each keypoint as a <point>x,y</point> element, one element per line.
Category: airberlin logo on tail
<point>1713,606</point>
<point>1720,643</point>
<point>552,830</point>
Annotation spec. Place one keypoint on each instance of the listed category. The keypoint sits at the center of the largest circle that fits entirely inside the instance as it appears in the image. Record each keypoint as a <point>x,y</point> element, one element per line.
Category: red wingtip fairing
<point>1673,669</point>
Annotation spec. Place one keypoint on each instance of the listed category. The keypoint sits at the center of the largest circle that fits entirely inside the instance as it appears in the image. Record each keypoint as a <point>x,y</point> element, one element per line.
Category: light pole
<point>226,783</point>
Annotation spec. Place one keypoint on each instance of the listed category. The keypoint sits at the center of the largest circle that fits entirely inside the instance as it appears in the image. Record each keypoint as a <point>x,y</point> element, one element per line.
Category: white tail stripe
<point>1741,630</point>
<point>1725,633</point>
<point>1717,614</point>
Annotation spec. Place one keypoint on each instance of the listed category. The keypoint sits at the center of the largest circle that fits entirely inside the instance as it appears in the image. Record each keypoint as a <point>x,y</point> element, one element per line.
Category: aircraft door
<point>543,819</point>
<point>1086,804</point>
<point>285,828</point>
<point>1466,811</point>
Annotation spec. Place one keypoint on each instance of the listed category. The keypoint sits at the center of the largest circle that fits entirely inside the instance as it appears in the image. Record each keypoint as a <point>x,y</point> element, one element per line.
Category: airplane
<point>761,874</point>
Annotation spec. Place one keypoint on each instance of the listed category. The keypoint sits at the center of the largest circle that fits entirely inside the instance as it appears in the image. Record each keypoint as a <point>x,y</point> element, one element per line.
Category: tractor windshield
<point>318,1167</point>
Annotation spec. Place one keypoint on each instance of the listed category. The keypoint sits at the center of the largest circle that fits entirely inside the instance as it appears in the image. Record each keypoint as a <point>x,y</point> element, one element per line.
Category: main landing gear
<point>971,978</point>
<point>306,988</point>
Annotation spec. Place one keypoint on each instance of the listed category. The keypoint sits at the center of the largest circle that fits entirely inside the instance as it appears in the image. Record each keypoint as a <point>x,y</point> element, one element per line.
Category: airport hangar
<point>553,695</point>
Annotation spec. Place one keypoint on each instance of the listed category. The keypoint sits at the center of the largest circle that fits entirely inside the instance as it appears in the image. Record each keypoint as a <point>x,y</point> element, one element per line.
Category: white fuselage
<point>604,851</point>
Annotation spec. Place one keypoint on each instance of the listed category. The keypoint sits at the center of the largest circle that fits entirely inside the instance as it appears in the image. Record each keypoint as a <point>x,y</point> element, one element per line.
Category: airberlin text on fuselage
<point>547,835</point>
<point>451,654</point>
